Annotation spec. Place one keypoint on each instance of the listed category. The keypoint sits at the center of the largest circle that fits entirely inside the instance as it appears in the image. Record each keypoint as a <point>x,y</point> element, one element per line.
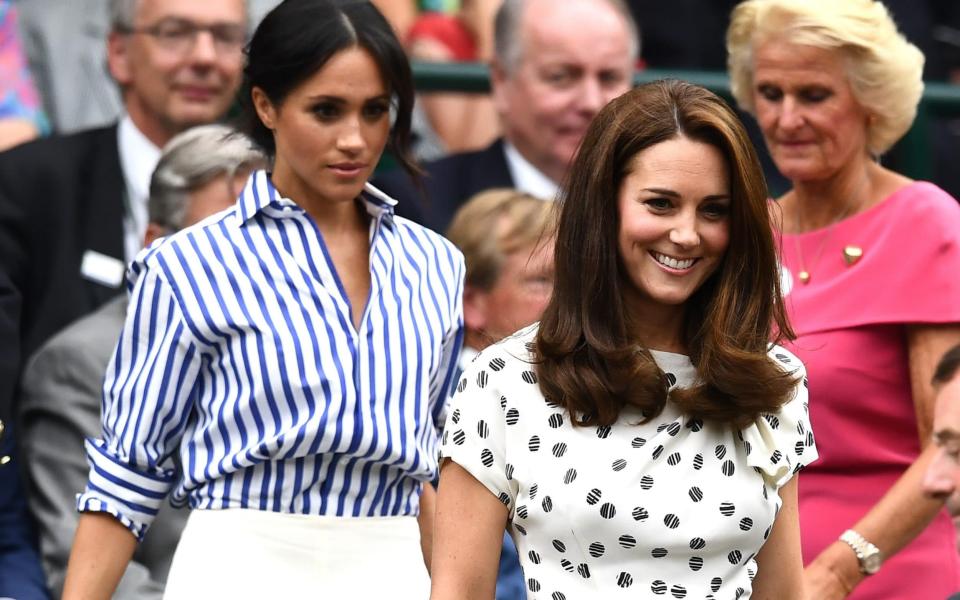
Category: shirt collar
<point>260,193</point>
<point>526,177</point>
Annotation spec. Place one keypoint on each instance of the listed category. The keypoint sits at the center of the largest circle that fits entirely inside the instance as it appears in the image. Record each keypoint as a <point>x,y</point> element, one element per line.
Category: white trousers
<point>251,554</point>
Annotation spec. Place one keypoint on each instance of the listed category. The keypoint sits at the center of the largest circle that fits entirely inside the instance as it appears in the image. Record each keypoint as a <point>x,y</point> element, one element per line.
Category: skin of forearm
<point>102,548</point>
<point>900,515</point>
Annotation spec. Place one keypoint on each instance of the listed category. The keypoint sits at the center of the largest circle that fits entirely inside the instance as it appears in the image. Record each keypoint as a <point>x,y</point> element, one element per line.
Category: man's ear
<point>474,308</point>
<point>499,81</point>
<point>118,58</point>
<point>264,107</point>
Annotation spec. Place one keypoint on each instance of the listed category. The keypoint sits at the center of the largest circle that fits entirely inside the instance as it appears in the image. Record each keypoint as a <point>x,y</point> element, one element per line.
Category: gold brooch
<point>851,254</point>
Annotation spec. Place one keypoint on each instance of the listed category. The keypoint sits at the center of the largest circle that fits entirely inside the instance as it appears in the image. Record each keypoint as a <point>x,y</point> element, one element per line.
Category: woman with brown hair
<point>644,436</point>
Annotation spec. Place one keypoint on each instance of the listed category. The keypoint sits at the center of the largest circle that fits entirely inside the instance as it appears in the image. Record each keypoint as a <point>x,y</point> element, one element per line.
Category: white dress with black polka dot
<point>671,508</point>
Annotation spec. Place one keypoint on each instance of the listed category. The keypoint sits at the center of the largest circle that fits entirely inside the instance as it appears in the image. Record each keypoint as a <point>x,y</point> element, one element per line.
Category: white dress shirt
<point>138,159</point>
<point>526,177</point>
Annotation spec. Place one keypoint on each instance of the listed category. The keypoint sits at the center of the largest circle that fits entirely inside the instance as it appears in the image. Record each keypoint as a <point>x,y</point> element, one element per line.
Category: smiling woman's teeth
<point>673,263</point>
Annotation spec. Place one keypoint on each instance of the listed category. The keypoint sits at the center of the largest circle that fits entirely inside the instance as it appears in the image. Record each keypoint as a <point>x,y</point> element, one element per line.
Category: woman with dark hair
<point>644,435</point>
<point>284,364</point>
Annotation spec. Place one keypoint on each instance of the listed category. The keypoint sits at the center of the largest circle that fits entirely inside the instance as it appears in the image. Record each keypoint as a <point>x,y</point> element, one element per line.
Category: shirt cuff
<point>116,488</point>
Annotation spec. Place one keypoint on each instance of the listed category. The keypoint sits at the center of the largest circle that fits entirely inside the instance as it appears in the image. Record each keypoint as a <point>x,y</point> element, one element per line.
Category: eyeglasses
<point>180,36</point>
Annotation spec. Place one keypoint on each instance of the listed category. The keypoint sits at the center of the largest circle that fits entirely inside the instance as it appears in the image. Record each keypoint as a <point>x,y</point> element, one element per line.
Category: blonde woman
<point>870,268</point>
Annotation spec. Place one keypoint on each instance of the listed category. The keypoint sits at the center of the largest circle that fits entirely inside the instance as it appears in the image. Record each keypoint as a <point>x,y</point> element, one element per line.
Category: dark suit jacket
<point>448,183</point>
<point>59,197</point>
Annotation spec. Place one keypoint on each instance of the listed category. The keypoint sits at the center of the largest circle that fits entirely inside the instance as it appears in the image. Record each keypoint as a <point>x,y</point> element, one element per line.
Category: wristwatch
<point>869,555</point>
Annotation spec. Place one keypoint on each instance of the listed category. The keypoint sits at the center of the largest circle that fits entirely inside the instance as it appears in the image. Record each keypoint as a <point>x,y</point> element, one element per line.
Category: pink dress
<point>850,321</point>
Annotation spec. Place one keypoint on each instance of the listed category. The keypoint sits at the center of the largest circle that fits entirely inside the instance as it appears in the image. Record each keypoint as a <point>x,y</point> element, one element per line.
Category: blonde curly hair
<point>883,68</point>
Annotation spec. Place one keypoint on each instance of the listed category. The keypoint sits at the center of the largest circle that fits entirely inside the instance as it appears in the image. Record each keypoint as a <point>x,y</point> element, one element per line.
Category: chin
<point>799,171</point>
<point>345,193</point>
<point>198,113</point>
<point>670,297</point>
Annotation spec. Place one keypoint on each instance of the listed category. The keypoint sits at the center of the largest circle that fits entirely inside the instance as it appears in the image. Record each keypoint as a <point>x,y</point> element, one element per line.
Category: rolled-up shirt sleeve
<point>147,401</point>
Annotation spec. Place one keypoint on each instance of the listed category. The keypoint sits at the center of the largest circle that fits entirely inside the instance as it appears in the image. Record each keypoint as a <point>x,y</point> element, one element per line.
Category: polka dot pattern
<point>672,508</point>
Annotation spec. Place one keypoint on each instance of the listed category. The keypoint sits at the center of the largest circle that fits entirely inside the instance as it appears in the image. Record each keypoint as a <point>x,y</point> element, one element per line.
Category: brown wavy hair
<point>586,359</point>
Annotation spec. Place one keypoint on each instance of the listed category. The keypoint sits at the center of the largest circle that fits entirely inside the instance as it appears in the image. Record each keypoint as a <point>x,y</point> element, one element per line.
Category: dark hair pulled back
<point>298,37</point>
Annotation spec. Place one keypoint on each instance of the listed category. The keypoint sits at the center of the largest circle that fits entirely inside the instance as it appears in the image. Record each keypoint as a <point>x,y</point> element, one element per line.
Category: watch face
<point>871,563</point>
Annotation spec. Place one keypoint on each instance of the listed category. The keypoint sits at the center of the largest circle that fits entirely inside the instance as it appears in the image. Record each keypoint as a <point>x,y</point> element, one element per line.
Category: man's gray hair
<point>508,39</point>
<point>123,14</point>
<point>193,158</point>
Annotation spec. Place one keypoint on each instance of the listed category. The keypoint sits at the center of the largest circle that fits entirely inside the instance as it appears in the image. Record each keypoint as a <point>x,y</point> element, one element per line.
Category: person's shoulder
<point>924,200</point>
<point>450,164</point>
<point>408,228</point>
<point>429,242</point>
<point>786,359</point>
<point>78,353</point>
<point>194,245</point>
<point>105,321</point>
<point>516,351</point>
<point>52,159</point>
<point>507,367</point>
<point>919,212</point>
<point>463,160</point>
<point>53,147</point>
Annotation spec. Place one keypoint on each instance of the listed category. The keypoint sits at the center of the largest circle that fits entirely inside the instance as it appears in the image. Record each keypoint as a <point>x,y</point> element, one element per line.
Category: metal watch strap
<point>868,555</point>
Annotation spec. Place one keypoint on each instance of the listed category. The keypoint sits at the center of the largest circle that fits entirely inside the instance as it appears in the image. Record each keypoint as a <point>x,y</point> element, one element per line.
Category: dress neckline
<point>860,216</point>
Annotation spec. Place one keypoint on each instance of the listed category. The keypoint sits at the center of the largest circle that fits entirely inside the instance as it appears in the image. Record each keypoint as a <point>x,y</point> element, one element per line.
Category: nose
<point>684,231</point>
<point>591,97</point>
<point>941,476</point>
<point>350,138</point>
<point>790,116</point>
<point>204,50</point>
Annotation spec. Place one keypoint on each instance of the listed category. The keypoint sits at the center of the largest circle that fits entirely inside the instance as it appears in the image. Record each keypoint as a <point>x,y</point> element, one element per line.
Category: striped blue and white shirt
<point>240,363</point>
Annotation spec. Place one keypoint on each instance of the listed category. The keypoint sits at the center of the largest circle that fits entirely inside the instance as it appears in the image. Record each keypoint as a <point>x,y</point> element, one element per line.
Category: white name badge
<point>103,269</point>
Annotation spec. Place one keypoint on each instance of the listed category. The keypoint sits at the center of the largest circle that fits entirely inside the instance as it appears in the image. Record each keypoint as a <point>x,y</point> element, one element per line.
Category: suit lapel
<point>492,169</point>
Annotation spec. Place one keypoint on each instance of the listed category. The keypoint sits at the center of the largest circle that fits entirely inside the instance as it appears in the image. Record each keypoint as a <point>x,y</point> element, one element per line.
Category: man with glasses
<point>73,209</point>
<point>64,44</point>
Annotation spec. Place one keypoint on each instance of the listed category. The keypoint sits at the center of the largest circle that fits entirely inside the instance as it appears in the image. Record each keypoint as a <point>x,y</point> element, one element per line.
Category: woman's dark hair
<point>298,37</point>
<point>586,358</point>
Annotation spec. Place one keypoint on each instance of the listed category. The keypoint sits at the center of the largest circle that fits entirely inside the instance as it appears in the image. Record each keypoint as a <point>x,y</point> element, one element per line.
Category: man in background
<point>64,45</point>
<point>556,64</point>
<point>73,209</point>
<point>942,479</point>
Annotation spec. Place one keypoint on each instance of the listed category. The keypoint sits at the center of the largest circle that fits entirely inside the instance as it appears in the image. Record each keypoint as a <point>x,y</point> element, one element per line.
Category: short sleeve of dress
<point>780,444</point>
<point>475,433</point>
